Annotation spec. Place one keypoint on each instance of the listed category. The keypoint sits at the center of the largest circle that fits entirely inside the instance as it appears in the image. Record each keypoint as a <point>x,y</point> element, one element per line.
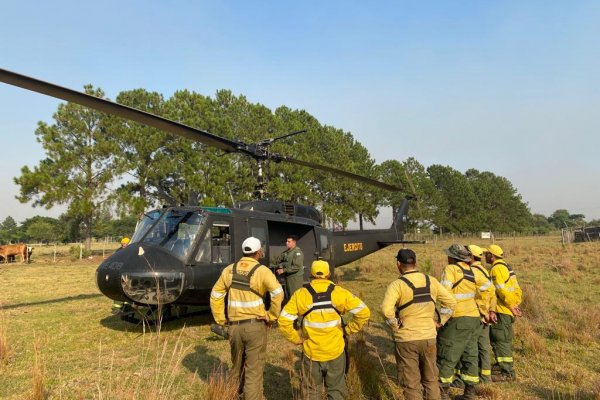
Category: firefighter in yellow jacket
<point>509,297</point>
<point>409,309</point>
<point>321,303</point>
<point>486,301</point>
<point>457,340</point>
<point>246,283</point>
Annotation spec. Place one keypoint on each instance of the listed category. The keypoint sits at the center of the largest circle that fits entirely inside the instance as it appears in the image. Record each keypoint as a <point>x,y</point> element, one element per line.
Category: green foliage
<point>9,232</point>
<point>76,252</point>
<point>79,164</point>
<point>563,219</point>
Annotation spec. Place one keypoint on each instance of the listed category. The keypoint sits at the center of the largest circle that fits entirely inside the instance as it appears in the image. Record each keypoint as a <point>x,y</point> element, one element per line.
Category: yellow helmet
<point>125,240</point>
<point>475,250</point>
<point>495,250</point>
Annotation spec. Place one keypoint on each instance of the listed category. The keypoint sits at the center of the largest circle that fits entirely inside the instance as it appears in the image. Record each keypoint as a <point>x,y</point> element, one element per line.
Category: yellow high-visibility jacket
<point>463,290</point>
<point>487,298</point>
<point>242,304</point>
<point>417,319</point>
<point>322,328</point>
<point>508,291</point>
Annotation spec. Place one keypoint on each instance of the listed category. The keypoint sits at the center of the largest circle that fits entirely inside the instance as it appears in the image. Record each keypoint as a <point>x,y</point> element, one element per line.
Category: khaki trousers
<point>315,373</point>
<point>248,348</point>
<point>417,369</point>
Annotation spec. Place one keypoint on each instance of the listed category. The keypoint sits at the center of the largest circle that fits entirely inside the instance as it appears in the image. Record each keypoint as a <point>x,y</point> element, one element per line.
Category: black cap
<point>406,256</point>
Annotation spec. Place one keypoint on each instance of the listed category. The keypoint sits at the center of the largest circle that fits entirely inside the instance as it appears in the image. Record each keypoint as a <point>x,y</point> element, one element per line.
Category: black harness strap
<point>242,282</point>
<point>420,295</point>
<point>322,297</point>
<point>467,274</point>
<point>483,271</point>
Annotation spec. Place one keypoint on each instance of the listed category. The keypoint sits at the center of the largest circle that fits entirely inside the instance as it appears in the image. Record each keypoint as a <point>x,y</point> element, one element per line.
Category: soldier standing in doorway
<point>290,266</point>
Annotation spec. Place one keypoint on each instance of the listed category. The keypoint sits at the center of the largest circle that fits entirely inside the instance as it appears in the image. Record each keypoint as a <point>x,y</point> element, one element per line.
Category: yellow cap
<point>495,250</point>
<point>475,250</point>
<point>125,240</point>
<point>319,269</point>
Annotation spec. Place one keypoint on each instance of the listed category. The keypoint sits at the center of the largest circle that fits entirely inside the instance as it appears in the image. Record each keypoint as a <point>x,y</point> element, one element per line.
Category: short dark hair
<point>406,256</point>
<point>293,237</point>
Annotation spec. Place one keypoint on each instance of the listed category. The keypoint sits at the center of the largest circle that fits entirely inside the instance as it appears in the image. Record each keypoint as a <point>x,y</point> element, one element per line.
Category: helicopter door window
<point>221,243</point>
<point>323,240</point>
<point>203,254</point>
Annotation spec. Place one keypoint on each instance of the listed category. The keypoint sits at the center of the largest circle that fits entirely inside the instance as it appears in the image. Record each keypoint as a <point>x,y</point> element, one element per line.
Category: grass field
<point>58,339</point>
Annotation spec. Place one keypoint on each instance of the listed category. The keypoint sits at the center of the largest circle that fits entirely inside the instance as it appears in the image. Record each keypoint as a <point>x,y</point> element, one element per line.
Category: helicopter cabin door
<point>214,252</point>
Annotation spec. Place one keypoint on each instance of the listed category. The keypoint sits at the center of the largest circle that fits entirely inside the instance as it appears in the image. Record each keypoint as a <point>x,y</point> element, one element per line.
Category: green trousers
<point>417,371</point>
<point>485,360</point>
<point>248,348</point>
<point>331,373</point>
<point>457,341</point>
<point>501,334</point>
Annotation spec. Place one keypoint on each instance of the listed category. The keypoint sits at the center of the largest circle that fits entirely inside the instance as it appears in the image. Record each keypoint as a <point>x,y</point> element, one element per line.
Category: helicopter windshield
<point>144,224</point>
<point>175,231</point>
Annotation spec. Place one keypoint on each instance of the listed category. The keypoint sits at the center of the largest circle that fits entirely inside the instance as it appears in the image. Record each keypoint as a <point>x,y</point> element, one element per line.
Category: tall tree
<point>9,231</point>
<point>79,164</point>
<point>460,210</point>
<point>502,208</point>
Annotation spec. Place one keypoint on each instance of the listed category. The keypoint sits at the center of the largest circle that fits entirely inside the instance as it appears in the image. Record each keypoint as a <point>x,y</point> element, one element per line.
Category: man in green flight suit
<point>290,265</point>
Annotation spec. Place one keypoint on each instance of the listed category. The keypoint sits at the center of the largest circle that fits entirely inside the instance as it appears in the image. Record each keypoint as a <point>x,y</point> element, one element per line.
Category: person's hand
<point>492,317</point>
<point>279,271</point>
<point>438,325</point>
<point>517,311</point>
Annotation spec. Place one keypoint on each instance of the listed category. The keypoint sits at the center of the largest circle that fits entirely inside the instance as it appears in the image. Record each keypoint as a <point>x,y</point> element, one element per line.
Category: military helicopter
<point>178,252</point>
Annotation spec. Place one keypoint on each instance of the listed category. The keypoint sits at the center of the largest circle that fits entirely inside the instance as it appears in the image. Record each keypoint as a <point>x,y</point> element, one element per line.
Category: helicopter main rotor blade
<point>120,110</point>
<point>256,150</point>
<point>360,178</point>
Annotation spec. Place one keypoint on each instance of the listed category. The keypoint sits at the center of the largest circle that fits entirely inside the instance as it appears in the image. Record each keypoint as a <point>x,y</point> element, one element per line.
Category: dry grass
<point>38,372</point>
<point>87,353</point>
<point>5,350</point>
<point>221,385</point>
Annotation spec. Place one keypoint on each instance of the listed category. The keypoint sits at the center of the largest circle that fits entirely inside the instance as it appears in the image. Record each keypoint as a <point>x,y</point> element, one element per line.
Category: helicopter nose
<point>154,287</point>
<point>144,274</point>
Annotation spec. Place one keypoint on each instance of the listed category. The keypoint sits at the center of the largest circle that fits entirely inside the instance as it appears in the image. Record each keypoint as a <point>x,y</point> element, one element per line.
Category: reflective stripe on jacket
<point>486,301</point>
<point>245,304</point>
<point>322,328</point>
<point>418,318</point>
<point>507,287</point>
<point>462,288</point>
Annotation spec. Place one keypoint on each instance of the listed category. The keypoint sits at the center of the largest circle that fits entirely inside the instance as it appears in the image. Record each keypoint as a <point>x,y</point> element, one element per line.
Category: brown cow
<point>19,249</point>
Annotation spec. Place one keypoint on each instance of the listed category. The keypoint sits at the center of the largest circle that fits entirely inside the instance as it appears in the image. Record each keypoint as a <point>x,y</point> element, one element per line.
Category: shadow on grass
<point>196,318</point>
<point>52,301</point>
<point>202,363</point>
<point>277,382</point>
<point>353,274</point>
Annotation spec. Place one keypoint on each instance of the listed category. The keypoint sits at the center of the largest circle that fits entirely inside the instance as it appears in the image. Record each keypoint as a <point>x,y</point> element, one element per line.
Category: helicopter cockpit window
<point>220,243</point>
<point>144,224</point>
<point>175,231</point>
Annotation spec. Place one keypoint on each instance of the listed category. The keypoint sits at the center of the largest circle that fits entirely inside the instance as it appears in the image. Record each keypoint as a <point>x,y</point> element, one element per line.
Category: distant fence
<point>476,236</point>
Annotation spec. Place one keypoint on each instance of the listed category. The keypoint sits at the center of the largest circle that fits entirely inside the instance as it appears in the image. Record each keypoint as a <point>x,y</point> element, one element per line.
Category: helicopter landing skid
<point>154,315</point>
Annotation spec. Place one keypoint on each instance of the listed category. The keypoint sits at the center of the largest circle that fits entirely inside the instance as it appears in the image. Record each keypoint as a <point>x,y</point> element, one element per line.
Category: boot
<point>470,393</point>
<point>444,393</point>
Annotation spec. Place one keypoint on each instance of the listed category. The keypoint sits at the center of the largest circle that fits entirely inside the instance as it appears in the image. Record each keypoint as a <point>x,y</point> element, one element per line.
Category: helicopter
<point>177,253</point>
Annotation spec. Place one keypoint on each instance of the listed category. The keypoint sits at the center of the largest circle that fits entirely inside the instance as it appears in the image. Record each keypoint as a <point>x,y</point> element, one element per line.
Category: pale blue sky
<point>512,87</point>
